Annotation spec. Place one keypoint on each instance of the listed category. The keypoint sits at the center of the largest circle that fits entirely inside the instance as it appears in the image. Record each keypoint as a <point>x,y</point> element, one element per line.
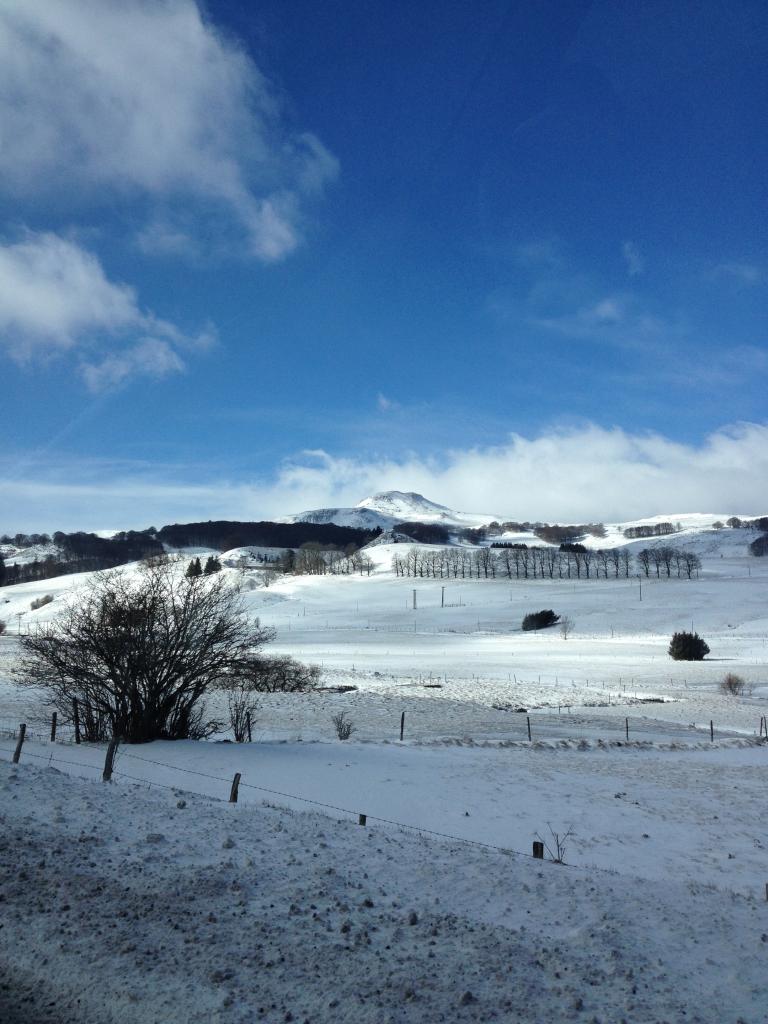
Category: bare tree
<point>140,652</point>
<point>566,626</point>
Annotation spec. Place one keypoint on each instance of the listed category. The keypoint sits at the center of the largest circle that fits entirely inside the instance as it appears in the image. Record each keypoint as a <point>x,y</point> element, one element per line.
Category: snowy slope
<point>389,507</point>
<point>123,906</point>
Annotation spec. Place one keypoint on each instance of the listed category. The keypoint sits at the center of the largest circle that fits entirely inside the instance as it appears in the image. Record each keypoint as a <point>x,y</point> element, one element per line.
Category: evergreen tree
<point>688,647</point>
<point>212,565</point>
<point>194,569</point>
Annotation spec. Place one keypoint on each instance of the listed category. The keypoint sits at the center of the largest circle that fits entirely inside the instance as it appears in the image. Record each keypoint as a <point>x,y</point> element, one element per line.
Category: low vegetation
<point>688,647</point>
<point>539,620</point>
<point>344,726</point>
<point>734,685</point>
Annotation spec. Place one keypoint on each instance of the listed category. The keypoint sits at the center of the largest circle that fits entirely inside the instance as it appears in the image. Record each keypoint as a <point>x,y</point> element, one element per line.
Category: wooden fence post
<point>54,719</point>
<point>109,761</point>
<point>626,726</point>
<point>20,743</point>
<point>76,716</point>
<point>711,731</point>
<point>402,725</point>
<point>233,790</point>
<point>528,720</point>
<point>362,819</point>
<point>248,725</point>
<point>538,849</point>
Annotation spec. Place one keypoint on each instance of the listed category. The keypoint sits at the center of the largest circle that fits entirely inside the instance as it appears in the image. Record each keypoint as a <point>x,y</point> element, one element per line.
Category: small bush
<point>344,726</point>
<point>566,625</point>
<point>734,685</point>
<point>556,850</point>
<point>2,627</point>
<point>688,647</point>
<point>540,620</point>
<point>41,602</point>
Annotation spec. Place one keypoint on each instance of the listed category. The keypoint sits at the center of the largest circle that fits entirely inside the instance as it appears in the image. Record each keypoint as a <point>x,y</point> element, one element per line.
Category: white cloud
<point>151,357</point>
<point>583,474</point>
<point>741,273</point>
<point>149,100</point>
<point>614,319</point>
<point>634,258</point>
<point>384,404</point>
<point>56,297</point>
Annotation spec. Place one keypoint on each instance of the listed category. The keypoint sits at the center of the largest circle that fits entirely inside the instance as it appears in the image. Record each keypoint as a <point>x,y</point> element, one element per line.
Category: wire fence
<point>109,773</point>
<point>363,819</point>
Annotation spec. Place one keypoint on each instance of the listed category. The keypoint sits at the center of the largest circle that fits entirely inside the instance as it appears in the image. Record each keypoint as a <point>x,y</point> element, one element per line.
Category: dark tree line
<point>552,533</point>
<point>87,552</point>
<point>225,534</point>
<point>424,533</point>
<point>761,523</point>
<point>25,540</point>
<point>654,530</point>
<point>84,552</point>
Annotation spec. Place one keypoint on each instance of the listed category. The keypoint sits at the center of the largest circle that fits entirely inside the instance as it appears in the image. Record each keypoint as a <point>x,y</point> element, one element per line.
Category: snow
<point>127,905</point>
<point>659,914</point>
<point>387,508</point>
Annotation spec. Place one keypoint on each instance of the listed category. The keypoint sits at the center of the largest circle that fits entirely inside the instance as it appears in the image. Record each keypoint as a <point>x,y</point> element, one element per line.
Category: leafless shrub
<point>41,602</point>
<point>141,651</point>
<point>3,626</point>
<point>734,685</point>
<point>243,705</point>
<point>344,726</point>
<point>556,847</point>
<point>277,674</point>
<point>566,626</point>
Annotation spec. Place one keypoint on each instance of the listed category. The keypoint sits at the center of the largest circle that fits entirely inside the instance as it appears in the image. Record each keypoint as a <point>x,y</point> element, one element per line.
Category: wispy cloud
<point>616,319</point>
<point>633,258</point>
<point>584,473</point>
<point>55,297</point>
<point>384,404</point>
<point>149,101</point>
<point>742,273</point>
<point>539,253</point>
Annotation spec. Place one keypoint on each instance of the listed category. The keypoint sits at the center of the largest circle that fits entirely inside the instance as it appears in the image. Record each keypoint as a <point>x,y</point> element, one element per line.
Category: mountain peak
<point>400,503</point>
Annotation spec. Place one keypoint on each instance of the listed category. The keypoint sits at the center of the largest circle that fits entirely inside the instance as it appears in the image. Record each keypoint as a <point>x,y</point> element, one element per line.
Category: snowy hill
<point>386,508</point>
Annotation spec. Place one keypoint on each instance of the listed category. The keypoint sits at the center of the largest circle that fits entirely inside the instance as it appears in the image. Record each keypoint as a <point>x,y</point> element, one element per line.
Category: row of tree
<point>513,562</point>
<point>652,530</point>
<point>25,540</point>
<point>735,523</point>
<point>322,560</point>
<point>522,562</point>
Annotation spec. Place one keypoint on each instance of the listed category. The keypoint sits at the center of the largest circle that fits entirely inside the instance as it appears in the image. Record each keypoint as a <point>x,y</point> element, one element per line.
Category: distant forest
<point>87,552</point>
<point>224,534</point>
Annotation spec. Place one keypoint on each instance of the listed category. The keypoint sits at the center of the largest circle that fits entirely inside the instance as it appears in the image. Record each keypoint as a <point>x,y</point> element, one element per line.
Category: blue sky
<point>261,257</point>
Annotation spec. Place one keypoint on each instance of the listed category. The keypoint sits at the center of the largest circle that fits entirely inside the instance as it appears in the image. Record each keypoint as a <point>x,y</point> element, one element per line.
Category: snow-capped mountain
<point>389,507</point>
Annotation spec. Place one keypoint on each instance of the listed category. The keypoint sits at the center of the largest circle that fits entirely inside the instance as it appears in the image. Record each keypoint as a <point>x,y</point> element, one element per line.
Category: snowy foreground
<point>127,905</point>
<point>152,899</point>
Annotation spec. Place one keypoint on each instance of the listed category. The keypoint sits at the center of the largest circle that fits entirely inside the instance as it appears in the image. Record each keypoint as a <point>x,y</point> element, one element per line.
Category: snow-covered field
<point>661,913</point>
